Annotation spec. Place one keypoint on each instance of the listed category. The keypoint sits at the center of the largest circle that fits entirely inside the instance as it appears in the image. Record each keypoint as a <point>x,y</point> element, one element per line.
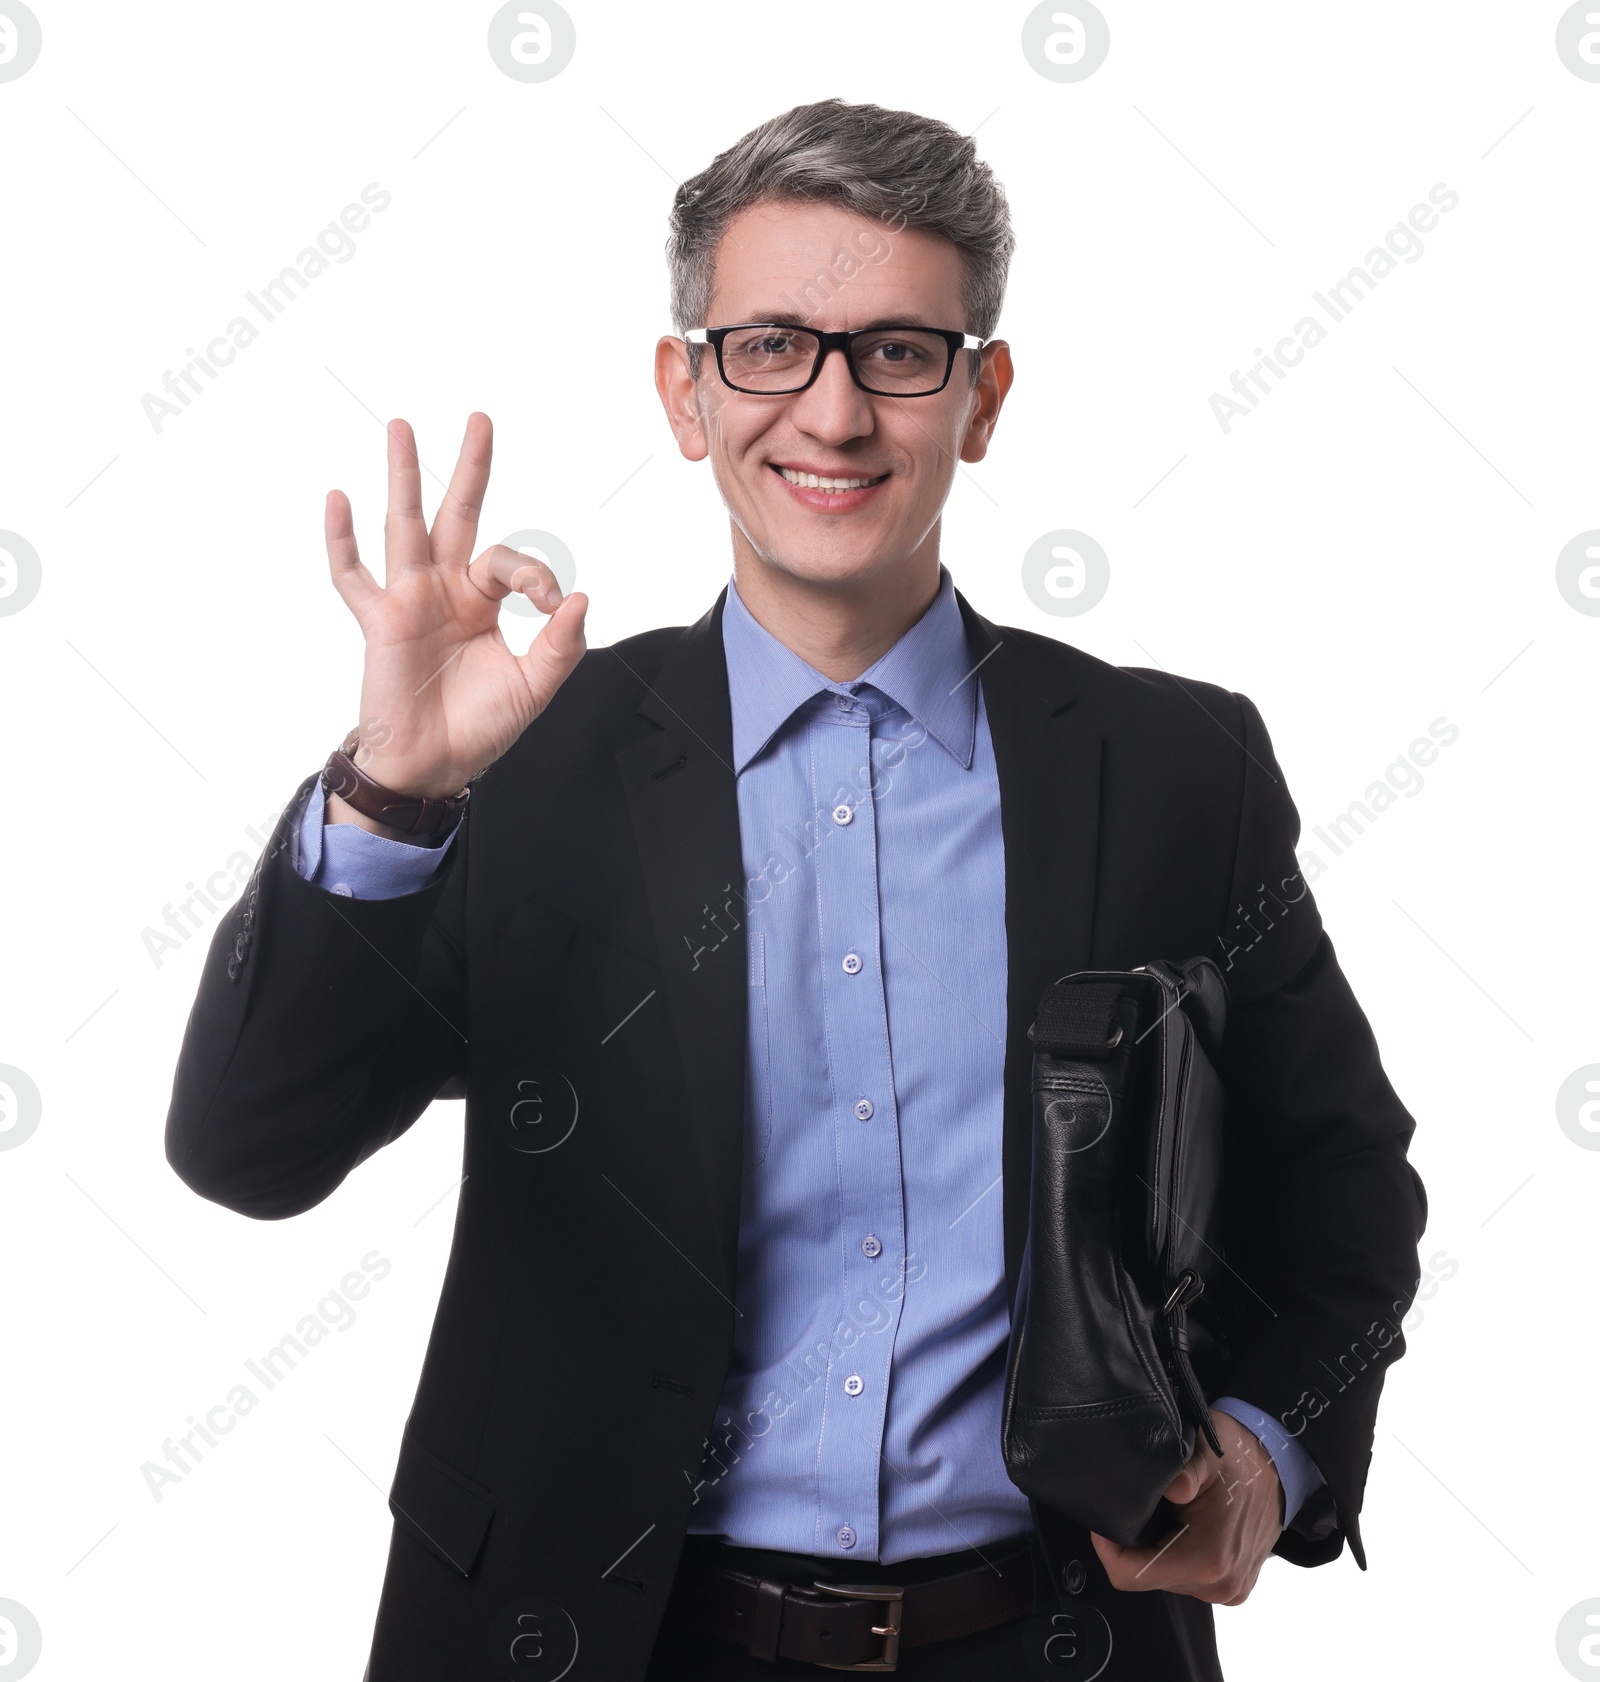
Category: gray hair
<point>904,169</point>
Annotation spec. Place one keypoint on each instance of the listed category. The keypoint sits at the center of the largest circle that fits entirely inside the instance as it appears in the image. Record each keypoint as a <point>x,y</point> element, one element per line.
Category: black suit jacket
<point>585,1323</point>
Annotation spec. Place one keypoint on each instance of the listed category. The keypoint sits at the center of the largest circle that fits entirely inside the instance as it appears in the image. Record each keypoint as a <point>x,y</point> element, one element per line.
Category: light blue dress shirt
<point>861,1412</point>
<point>864,1394</point>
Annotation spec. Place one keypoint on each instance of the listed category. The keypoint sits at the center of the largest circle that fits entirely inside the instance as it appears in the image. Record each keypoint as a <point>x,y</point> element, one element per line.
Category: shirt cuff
<point>1296,1470</point>
<point>346,859</point>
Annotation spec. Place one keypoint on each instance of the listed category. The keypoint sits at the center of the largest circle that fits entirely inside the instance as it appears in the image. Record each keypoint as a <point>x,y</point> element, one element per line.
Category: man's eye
<point>766,344</point>
<point>895,350</point>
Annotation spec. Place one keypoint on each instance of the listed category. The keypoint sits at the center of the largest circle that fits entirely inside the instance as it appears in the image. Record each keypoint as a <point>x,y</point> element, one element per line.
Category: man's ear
<point>680,397</point>
<point>994,381</point>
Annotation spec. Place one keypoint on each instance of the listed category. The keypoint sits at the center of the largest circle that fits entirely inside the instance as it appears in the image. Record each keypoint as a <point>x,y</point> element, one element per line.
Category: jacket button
<point>233,969</point>
<point>1074,1577</point>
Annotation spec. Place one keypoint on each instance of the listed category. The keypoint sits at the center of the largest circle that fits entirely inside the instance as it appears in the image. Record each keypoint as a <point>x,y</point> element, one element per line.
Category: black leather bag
<point>1123,1290</point>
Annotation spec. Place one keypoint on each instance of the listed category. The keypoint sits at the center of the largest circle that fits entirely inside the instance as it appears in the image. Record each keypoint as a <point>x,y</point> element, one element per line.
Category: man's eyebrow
<point>914,319</point>
<point>784,318</point>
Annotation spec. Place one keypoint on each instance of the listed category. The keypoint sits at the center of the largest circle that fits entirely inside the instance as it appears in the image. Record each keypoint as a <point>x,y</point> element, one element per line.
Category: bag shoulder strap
<point>1077,1019</point>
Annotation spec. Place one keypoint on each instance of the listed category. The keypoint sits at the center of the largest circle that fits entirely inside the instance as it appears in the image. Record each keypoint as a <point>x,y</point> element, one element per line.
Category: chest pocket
<point>758,1064</point>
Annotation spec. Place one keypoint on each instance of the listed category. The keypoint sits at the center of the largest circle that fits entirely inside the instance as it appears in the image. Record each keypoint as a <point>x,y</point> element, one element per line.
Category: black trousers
<point>1092,1634</point>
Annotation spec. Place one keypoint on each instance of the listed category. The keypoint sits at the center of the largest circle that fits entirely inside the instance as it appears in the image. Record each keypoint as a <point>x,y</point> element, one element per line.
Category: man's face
<point>827,269</point>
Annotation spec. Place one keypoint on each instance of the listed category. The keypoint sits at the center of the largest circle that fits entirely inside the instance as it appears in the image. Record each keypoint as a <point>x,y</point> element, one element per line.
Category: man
<point>733,956</point>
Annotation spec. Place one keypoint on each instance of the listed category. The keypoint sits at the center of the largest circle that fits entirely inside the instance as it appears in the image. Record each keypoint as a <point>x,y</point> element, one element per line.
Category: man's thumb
<point>1189,1482</point>
<point>1183,1488</point>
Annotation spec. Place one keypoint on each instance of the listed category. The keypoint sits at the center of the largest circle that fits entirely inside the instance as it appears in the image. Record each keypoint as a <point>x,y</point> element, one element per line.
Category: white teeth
<point>812,482</point>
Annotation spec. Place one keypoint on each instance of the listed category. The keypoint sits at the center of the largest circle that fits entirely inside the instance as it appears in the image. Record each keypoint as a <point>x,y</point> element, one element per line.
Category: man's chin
<point>837,566</point>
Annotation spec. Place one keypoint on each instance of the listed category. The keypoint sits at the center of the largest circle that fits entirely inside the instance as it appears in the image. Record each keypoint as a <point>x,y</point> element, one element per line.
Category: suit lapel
<point>683,799</point>
<point>1048,761</point>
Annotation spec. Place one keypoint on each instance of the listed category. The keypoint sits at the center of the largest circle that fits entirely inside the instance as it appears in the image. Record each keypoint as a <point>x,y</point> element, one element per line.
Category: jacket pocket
<point>758,1064</point>
<point>443,1509</point>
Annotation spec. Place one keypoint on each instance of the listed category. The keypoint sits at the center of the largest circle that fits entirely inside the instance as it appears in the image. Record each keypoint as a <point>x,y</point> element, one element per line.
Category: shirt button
<point>863,1109</point>
<point>843,703</point>
<point>845,1536</point>
<point>854,1384</point>
<point>341,888</point>
<point>852,963</point>
<point>870,1247</point>
<point>842,814</point>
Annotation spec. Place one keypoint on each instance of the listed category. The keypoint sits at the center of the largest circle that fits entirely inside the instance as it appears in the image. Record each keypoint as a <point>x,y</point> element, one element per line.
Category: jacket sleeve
<point>324,1025</point>
<point>1326,1210</point>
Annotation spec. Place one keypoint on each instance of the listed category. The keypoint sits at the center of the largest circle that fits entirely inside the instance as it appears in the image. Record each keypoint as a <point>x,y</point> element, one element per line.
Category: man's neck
<point>840,629</point>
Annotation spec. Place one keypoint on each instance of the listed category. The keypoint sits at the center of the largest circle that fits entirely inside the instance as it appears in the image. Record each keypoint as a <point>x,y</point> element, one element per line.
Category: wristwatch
<point>422,816</point>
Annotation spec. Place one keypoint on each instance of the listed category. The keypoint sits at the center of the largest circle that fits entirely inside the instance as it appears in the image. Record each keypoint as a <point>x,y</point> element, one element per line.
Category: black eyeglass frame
<point>830,342</point>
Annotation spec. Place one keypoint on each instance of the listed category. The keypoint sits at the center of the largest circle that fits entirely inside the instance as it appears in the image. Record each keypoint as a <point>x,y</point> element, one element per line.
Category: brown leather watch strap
<point>423,816</point>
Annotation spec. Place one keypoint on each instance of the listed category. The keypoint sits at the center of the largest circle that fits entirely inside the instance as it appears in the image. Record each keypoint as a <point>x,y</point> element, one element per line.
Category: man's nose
<point>833,406</point>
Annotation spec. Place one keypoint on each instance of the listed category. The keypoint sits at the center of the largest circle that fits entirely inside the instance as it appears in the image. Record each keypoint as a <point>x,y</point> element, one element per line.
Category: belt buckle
<point>892,1596</point>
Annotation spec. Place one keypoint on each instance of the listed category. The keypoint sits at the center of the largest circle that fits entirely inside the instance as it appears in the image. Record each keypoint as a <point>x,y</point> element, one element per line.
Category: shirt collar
<point>927,672</point>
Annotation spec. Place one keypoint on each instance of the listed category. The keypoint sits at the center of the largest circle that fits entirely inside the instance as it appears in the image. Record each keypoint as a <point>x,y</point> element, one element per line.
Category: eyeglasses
<point>770,360</point>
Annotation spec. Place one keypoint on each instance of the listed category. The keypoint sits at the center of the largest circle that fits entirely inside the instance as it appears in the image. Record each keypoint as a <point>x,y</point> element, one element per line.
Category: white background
<point>1371,549</point>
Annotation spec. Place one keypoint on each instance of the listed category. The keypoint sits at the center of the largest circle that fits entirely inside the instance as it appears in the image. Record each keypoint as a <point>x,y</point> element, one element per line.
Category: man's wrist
<point>1298,1473</point>
<point>337,810</point>
<point>422,819</point>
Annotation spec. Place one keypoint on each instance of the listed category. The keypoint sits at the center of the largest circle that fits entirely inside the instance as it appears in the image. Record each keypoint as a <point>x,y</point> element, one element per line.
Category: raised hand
<point>442,696</point>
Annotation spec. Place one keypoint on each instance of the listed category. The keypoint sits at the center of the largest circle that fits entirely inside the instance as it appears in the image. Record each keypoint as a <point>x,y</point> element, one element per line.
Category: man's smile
<point>829,492</point>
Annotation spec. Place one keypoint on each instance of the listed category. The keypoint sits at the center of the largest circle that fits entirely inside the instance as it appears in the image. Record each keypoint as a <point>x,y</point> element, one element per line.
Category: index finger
<point>499,572</point>
<point>455,526</point>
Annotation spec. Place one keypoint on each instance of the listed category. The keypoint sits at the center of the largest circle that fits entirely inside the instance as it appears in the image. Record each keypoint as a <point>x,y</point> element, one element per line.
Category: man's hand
<point>442,696</point>
<point>1232,1510</point>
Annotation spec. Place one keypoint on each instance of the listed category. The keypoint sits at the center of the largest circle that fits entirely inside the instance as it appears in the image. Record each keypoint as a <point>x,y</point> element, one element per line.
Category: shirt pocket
<point>758,1062</point>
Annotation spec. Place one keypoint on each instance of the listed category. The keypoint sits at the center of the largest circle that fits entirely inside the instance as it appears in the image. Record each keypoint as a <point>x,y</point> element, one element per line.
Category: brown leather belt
<point>850,1624</point>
